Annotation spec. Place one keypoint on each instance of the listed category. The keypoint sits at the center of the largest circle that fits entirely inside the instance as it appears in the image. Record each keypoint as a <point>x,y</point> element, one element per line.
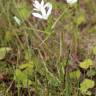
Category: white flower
<point>42,11</point>
<point>71,1</point>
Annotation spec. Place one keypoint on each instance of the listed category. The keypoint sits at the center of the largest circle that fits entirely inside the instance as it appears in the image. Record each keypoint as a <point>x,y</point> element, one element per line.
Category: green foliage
<point>85,85</point>
<point>86,63</point>
<point>80,18</point>
<point>22,75</point>
<point>21,79</point>
<point>69,28</point>
<point>94,50</point>
<point>8,36</point>
<point>53,80</point>
<point>92,30</point>
<point>48,28</point>
<point>4,68</point>
<point>3,52</point>
<point>28,54</point>
<point>75,74</point>
<point>91,73</point>
<point>24,10</point>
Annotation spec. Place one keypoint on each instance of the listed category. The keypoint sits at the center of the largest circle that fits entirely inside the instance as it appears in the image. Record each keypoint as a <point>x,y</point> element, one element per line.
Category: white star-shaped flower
<point>71,1</point>
<point>42,10</point>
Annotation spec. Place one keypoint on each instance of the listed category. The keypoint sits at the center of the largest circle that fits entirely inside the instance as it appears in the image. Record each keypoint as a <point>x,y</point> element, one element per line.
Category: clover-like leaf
<point>75,74</point>
<point>3,52</point>
<point>91,73</point>
<point>86,64</point>
<point>27,68</point>
<point>21,79</point>
<point>85,85</point>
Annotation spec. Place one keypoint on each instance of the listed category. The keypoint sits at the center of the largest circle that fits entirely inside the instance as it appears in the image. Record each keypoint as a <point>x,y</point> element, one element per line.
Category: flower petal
<point>49,6</point>
<point>43,11</point>
<point>42,3</point>
<point>35,9</point>
<point>71,1</point>
<point>37,15</point>
<point>40,9</point>
<point>36,4</point>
